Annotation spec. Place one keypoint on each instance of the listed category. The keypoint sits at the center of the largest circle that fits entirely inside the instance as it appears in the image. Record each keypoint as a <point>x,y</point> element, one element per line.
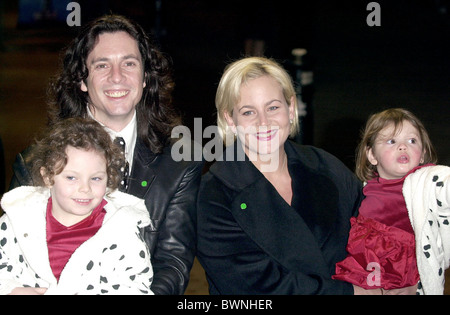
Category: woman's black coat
<point>250,241</point>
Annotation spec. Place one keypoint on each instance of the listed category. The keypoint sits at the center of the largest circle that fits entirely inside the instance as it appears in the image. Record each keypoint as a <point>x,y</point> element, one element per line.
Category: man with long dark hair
<point>112,72</point>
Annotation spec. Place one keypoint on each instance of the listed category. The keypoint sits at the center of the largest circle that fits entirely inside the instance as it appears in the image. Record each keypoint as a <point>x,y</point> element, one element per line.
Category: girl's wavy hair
<point>156,115</point>
<point>49,153</point>
<point>395,116</point>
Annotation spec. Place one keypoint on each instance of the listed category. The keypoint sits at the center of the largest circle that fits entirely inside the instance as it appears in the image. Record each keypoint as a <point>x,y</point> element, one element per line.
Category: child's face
<point>80,187</point>
<point>394,156</point>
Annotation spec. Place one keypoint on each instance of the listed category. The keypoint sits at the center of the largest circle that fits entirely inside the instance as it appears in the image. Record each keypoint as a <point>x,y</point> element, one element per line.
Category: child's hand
<point>28,291</point>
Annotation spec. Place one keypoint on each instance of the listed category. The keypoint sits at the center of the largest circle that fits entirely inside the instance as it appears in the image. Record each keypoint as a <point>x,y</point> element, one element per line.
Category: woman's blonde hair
<point>396,116</point>
<point>241,71</point>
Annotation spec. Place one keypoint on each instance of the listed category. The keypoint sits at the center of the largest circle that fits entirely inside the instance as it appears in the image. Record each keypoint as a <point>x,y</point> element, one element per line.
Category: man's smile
<point>117,94</point>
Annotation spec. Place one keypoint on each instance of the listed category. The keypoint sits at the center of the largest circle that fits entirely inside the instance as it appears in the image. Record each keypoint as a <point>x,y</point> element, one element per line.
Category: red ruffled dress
<point>381,246</point>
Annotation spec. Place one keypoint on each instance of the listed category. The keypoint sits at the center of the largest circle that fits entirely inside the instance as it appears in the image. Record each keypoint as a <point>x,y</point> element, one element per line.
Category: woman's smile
<point>267,135</point>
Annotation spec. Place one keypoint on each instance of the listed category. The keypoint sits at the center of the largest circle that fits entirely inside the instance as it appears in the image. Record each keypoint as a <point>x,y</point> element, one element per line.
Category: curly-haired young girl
<point>74,233</point>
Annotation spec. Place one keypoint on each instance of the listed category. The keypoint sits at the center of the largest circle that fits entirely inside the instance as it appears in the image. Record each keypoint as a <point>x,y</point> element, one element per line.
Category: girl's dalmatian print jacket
<point>115,260</point>
<point>427,196</point>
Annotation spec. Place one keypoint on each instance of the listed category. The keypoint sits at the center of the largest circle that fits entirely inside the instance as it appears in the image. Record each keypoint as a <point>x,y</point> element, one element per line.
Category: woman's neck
<point>272,165</point>
<point>277,173</point>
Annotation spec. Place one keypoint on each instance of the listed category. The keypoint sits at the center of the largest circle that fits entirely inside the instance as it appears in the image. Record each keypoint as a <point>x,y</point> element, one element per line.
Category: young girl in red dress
<point>401,234</point>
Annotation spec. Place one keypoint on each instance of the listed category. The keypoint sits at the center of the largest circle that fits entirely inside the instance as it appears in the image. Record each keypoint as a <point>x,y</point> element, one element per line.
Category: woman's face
<point>262,117</point>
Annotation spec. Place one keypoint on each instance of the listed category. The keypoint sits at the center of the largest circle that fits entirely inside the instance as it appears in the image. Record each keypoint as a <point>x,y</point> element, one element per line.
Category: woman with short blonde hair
<point>241,71</point>
<point>275,230</point>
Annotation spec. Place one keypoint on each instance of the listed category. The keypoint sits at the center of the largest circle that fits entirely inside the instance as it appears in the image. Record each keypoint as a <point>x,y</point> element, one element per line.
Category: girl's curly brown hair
<point>49,153</point>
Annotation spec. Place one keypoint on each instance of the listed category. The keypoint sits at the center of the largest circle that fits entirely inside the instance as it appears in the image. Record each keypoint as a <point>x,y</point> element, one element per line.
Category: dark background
<point>358,70</point>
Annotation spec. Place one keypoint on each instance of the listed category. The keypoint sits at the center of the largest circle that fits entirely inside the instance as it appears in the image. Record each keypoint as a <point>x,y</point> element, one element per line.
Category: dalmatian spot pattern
<point>436,223</point>
<point>91,265</point>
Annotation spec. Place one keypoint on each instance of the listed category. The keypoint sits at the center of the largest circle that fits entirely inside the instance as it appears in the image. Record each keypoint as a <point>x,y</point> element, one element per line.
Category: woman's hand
<point>28,291</point>
<point>401,291</point>
<point>361,291</point>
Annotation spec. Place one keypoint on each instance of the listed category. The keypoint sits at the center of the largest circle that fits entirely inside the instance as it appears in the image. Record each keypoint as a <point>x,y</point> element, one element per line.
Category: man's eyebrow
<point>131,56</point>
<point>103,59</point>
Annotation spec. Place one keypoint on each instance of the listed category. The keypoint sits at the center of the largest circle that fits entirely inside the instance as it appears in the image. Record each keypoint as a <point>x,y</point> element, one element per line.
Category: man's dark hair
<point>155,114</point>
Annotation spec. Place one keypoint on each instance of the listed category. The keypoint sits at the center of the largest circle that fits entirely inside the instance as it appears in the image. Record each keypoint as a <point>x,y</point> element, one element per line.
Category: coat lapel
<point>142,175</point>
<point>279,229</point>
<point>315,202</point>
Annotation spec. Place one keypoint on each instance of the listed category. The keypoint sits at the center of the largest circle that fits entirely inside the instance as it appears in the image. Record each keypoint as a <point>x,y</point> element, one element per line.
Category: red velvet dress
<point>381,243</point>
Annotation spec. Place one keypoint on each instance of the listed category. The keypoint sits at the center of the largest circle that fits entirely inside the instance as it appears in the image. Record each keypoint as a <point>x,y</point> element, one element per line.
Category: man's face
<point>116,79</point>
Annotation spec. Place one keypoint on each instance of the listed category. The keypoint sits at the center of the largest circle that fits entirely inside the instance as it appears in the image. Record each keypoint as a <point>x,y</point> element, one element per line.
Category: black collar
<point>238,165</point>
